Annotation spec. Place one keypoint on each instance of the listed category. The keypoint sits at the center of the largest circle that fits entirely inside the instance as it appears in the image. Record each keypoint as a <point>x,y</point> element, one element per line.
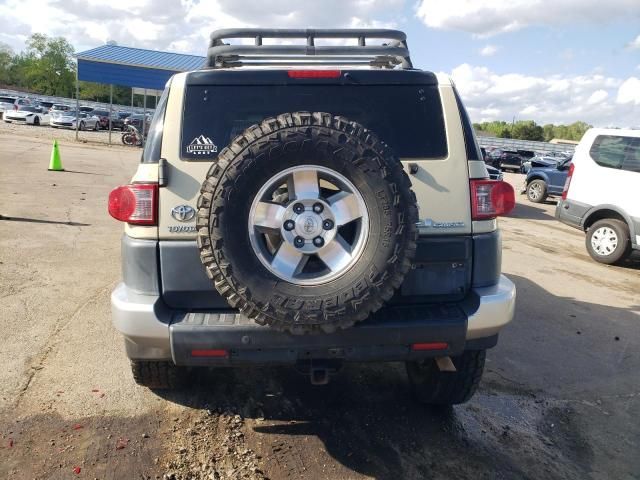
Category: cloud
<point>635,43</point>
<point>181,25</point>
<point>490,17</point>
<point>597,97</point>
<point>488,50</point>
<point>548,99</point>
<point>629,92</point>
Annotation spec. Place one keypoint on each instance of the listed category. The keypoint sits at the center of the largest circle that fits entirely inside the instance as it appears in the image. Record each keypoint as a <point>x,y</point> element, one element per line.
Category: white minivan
<point>602,193</point>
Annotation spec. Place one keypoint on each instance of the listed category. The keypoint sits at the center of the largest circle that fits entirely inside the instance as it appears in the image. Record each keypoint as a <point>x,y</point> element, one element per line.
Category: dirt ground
<point>560,398</point>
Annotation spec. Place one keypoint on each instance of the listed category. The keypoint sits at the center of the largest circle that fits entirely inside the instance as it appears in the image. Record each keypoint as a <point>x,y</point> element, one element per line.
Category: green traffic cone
<point>55,164</point>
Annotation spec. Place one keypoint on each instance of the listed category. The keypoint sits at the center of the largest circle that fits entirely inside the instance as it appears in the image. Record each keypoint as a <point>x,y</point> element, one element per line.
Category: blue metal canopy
<point>133,67</point>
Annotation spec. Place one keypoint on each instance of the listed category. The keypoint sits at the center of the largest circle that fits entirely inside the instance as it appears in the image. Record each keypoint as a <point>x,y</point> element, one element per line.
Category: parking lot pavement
<point>560,397</point>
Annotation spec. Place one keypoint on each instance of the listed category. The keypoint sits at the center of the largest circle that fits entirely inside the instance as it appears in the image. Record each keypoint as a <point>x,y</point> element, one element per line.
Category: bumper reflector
<point>210,353</point>
<point>429,346</point>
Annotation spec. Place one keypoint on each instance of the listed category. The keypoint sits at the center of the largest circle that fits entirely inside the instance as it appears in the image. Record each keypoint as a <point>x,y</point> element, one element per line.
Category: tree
<point>99,92</point>
<point>47,65</point>
<point>6,59</point>
<point>505,133</point>
<point>527,130</point>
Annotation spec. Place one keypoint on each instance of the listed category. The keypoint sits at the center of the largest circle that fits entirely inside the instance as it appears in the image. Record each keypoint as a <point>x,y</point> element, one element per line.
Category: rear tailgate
<point>411,117</point>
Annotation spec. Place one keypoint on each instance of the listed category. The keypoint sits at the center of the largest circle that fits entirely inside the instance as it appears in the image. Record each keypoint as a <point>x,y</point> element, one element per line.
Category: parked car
<point>541,162</point>
<point>27,114</point>
<point>494,173</point>
<point>103,116</point>
<point>68,120</point>
<point>117,123</point>
<point>12,103</point>
<point>6,103</point>
<point>546,181</point>
<point>254,254</point>
<point>602,193</point>
<point>505,160</point>
<point>59,107</point>
<point>136,120</point>
<point>46,106</point>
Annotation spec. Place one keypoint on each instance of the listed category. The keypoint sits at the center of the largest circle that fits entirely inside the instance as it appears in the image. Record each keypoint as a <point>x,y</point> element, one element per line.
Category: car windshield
<point>28,109</point>
<point>7,100</point>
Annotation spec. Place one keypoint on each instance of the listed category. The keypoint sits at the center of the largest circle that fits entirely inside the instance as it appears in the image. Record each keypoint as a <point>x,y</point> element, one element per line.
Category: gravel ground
<point>559,399</point>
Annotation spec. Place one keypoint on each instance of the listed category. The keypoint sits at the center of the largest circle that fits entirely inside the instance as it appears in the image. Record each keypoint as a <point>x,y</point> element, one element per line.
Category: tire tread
<point>272,133</point>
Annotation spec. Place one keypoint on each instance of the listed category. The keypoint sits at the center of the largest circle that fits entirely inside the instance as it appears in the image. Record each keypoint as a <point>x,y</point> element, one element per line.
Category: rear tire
<point>608,241</point>
<point>434,387</point>
<point>537,191</point>
<point>82,126</point>
<point>158,375</point>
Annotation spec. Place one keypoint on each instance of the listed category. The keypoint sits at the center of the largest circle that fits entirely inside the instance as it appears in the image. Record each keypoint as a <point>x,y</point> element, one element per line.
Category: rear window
<point>7,100</point>
<point>407,117</point>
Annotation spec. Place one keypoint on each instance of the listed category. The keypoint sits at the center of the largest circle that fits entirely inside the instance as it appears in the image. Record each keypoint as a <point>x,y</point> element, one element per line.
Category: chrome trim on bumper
<point>143,320</point>
<point>497,307</point>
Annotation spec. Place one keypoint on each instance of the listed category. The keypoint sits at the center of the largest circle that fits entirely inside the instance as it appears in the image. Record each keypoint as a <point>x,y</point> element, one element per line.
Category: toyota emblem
<point>183,213</point>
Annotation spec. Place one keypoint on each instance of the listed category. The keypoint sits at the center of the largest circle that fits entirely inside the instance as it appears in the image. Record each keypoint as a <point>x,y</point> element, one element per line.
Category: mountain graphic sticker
<point>202,146</point>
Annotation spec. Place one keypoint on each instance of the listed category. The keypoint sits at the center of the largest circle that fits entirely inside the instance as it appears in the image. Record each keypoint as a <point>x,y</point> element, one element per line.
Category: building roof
<point>139,57</point>
<point>133,67</point>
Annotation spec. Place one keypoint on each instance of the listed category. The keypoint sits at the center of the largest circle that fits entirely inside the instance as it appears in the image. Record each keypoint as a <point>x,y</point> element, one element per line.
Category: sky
<point>552,61</point>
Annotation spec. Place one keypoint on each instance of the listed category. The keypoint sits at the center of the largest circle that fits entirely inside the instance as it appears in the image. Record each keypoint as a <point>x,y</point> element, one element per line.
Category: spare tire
<point>307,222</point>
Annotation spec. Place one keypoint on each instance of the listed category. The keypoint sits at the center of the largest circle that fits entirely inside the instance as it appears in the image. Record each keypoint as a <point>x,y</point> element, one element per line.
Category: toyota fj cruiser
<point>308,205</point>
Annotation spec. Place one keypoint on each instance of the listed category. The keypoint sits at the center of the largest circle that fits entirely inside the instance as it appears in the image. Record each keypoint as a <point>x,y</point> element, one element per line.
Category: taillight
<point>314,73</point>
<point>491,198</point>
<point>567,182</point>
<point>136,204</point>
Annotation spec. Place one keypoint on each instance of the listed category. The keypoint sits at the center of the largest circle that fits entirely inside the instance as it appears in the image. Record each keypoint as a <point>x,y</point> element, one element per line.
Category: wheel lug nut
<point>327,224</point>
<point>318,241</point>
<point>298,208</point>
<point>298,242</point>
<point>318,208</point>
<point>289,225</point>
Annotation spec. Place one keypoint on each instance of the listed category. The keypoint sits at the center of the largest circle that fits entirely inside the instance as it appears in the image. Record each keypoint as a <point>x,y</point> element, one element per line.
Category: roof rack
<point>393,53</point>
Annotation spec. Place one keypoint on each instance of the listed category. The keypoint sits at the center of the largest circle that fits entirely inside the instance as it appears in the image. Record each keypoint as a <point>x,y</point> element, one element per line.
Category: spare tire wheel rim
<point>286,233</point>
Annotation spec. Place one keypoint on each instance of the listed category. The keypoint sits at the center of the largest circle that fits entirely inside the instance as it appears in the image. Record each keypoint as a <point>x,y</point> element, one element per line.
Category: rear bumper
<point>572,213</point>
<point>154,332</point>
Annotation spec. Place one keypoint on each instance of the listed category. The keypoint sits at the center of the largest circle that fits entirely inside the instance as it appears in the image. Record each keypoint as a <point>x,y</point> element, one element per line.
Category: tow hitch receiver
<point>319,371</point>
